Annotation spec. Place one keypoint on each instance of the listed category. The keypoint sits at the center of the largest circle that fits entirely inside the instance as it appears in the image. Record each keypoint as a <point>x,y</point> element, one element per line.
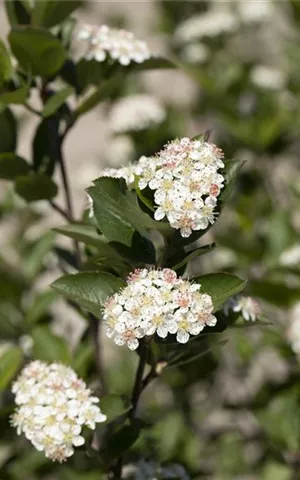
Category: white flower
<point>268,78</point>
<point>136,112</point>
<point>53,405</point>
<point>119,45</point>
<point>156,301</point>
<point>255,11</point>
<point>248,307</point>
<point>208,24</point>
<point>290,257</point>
<point>186,183</point>
<point>127,173</point>
<point>195,53</point>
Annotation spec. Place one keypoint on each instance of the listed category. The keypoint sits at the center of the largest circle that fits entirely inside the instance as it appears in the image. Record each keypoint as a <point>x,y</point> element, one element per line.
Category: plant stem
<point>138,384</point>
<point>60,210</point>
<point>95,336</point>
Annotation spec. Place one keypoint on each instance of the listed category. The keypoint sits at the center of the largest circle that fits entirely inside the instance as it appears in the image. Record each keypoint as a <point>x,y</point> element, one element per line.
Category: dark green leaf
<point>10,362</point>
<point>8,129</point>
<point>153,63</point>
<point>6,69</point>
<point>39,307</point>
<point>37,50</point>
<point>49,347</point>
<point>187,257</point>
<point>44,155</point>
<point>88,289</point>
<point>121,441</point>
<point>275,292</point>
<point>117,211</point>
<point>230,173</point>
<point>56,101</point>
<point>35,187</point>
<point>18,11</point>
<point>220,286</point>
<point>103,92</point>
<point>48,13</point>
<point>11,166</point>
<point>114,406</point>
<point>16,96</point>
<point>83,359</point>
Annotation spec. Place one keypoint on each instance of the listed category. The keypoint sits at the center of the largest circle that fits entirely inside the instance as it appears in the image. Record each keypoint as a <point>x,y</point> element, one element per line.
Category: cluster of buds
<point>247,306</point>
<point>53,407</point>
<point>119,45</point>
<point>186,183</point>
<point>157,301</point>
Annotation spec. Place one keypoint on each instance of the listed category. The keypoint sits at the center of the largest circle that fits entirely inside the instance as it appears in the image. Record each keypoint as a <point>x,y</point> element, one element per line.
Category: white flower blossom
<point>290,257</point>
<point>255,11</point>
<point>118,45</point>
<point>157,301</point>
<point>248,307</point>
<point>136,112</point>
<point>185,178</point>
<point>268,78</point>
<point>195,53</point>
<point>208,24</point>
<point>53,405</point>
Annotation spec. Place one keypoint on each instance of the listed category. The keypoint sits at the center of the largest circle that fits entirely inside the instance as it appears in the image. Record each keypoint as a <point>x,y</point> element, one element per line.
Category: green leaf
<point>49,13</point>
<point>49,347</point>
<point>276,293</point>
<point>121,441</point>
<point>10,362</point>
<point>8,129</point>
<point>117,211</point>
<point>103,92</point>
<point>230,173</point>
<point>11,166</point>
<point>35,187</point>
<point>56,101</point>
<point>18,11</point>
<point>39,307</point>
<point>83,358</point>
<point>220,286</point>
<point>88,289</point>
<point>17,96</point>
<point>37,50</point>
<point>35,256</point>
<point>114,406</point>
<point>191,256</point>
<point>153,63</point>
<point>276,471</point>
<point>6,68</point>
<point>83,232</point>
<point>44,158</point>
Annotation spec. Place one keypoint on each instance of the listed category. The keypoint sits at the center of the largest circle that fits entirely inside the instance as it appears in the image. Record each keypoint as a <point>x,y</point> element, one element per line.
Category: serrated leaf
<point>8,129</point>
<point>90,290</point>
<point>10,362</point>
<point>35,187</point>
<point>220,286</point>
<point>37,50</point>
<point>49,347</point>
<point>117,211</point>
<point>11,166</point>
<point>56,101</point>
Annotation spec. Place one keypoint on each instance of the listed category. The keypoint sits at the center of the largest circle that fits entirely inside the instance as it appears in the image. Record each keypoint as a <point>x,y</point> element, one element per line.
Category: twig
<point>94,332</point>
<point>60,210</point>
<point>32,109</point>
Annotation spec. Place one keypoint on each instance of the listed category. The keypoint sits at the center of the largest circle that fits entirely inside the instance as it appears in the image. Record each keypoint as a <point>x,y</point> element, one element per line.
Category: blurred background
<point>234,413</point>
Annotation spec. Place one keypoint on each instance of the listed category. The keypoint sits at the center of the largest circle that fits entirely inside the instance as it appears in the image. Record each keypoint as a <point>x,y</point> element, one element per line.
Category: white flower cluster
<point>119,45</point>
<point>53,407</point>
<point>136,112</point>
<point>269,78</point>
<point>186,181</point>
<point>291,256</point>
<point>157,301</point>
<point>248,307</point>
<point>208,24</point>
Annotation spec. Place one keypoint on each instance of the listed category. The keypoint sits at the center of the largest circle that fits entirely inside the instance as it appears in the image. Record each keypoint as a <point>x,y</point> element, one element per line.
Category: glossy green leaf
<point>56,101</point>
<point>17,96</point>
<point>6,68</point>
<point>90,290</point>
<point>11,166</point>
<point>43,151</point>
<point>10,362</point>
<point>117,211</point>
<point>220,286</point>
<point>48,13</point>
<point>8,129</point>
<point>83,232</point>
<point>35,187</point>
<point>37,50</point>
<point>49,347</point>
